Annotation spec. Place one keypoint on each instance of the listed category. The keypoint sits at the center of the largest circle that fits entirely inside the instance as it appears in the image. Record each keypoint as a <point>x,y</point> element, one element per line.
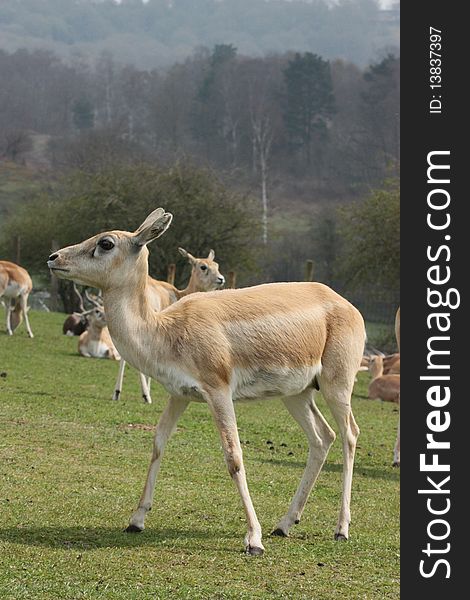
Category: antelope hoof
<point>254,551</point>
<point>340,537</point>
<point>133,529</point>
<point>279,532</point>
<point>147,399</point>
<point>116,394</point>
<point>396,463</point>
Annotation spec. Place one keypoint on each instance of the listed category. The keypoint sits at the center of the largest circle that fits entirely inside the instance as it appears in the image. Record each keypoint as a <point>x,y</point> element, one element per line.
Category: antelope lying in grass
<point>205,276</point>
<point>277,339</point>
<point>15,287</point>
<point>96,342</point>
<point>392,364</point>
<point>77,322</point>
<point>382,387</point>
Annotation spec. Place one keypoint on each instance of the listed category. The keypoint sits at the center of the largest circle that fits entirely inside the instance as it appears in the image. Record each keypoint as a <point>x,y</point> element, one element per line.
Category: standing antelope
<point>205,276</point>
<point>15,287</point>
<point>277,339</point>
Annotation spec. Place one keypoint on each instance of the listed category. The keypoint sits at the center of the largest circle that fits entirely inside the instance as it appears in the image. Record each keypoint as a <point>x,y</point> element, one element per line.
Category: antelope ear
<point>187,255</point>
<point>211,255</point>
<point>153,227</point>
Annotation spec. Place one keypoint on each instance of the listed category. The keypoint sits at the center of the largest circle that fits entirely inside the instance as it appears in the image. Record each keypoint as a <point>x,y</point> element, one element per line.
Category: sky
<point>383,3</point>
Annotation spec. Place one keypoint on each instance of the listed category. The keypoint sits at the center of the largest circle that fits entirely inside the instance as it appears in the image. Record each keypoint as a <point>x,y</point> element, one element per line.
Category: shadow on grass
<point>83,538</point>
<point>372,472</point>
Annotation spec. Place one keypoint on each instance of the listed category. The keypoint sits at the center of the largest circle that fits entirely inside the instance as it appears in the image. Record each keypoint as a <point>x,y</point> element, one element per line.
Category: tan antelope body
<point>392,364</point>
<point>382,387</point>
<point>205,276</point>
<point>280,339</point>
<point>15,287</point>
<point>96,342</point>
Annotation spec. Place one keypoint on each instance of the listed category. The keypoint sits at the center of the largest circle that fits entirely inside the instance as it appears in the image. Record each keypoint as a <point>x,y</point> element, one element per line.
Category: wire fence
<point>377,307</point>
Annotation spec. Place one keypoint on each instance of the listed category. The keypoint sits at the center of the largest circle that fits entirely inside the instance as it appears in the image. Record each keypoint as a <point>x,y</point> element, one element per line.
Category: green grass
<point>72,469</point>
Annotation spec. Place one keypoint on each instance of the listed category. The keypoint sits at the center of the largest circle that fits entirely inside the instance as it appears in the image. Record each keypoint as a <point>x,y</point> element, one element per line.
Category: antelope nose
<point>221,280</point>
<point>52,257</point>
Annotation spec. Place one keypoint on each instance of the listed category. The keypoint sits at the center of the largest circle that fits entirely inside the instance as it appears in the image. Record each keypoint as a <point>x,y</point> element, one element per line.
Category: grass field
<point>73,464</point>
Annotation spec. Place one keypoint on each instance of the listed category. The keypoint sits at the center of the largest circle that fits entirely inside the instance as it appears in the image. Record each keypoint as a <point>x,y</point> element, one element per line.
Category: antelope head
<point>205,275</point>
<point>112,259</point>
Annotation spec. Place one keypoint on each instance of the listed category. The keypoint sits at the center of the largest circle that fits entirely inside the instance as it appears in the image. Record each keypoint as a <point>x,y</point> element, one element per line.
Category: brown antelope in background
<point>274,340</point>
<point>392,364</point>
<point>76,323</point>
<point>205,276</point>
<point>15,287</point>
<point>382,387</point>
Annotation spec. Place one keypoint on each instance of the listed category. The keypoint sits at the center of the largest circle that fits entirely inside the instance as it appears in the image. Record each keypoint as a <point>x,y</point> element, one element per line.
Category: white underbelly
<point>257,383</point>
<point>246,384</point>
<point>97,349</point>
<point>13,290</point>
<point>178,383</point>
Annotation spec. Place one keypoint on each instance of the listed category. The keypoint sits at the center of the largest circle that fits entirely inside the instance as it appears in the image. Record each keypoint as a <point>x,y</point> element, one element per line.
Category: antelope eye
<point>106,244</point>
<point>203,268</point>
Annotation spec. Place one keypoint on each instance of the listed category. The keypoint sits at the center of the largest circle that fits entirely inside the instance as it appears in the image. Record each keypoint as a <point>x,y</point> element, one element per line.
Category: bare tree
<point>14,143</point>
<point>264,117</point>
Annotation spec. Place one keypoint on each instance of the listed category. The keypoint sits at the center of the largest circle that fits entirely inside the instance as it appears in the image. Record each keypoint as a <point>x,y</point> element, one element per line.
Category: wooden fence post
<point>54,290</point>
<point>171,273</point>
<point>231,279</point>
<point>309,270</point>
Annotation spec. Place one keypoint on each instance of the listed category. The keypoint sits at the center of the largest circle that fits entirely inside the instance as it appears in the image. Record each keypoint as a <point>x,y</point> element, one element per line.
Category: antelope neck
<point>129,315</point>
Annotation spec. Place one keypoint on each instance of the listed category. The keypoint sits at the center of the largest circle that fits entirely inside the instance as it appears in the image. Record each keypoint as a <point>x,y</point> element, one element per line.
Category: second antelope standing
<point>279,339</point>
<point>15,287</point>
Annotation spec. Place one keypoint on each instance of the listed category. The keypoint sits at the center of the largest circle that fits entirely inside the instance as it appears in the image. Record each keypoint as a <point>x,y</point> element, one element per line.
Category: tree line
<point>271,122</point>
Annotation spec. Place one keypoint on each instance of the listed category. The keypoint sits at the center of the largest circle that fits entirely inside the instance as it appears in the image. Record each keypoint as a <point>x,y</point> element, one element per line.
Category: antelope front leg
<point>222,409</point>
<point>165,427</point>
<point>120,377</point>
<point>24,308</point>
<point>145,387</point>
<point>8,316</point>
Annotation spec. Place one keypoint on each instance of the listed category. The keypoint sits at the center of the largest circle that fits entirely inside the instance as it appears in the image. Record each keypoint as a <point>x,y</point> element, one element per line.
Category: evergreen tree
<point>308,100</point>
<point>83,115</point>
<point>380,113</point>
<point>209,111</point>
